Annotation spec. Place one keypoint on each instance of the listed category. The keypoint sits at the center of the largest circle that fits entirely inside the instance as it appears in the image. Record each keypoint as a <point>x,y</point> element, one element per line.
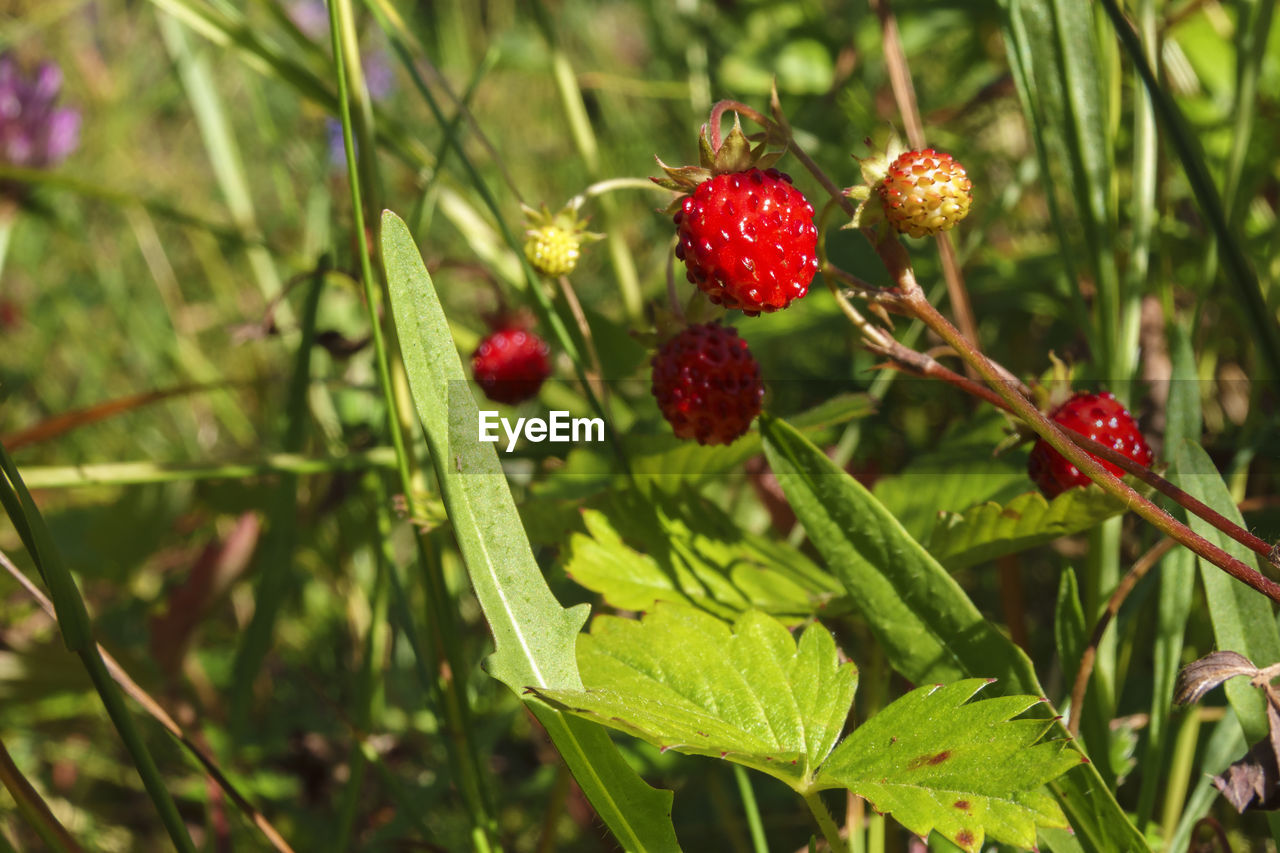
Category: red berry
<point>707,384</point>
<point>510,365</point>
<point>1101,418</point>
<point>748,240</point>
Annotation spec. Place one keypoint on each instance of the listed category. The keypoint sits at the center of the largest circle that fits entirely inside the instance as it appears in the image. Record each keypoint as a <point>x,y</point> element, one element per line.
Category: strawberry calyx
<point>734,153</point>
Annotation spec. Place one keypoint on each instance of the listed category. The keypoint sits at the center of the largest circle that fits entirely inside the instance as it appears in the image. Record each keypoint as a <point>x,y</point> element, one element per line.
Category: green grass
<point>272,552</point>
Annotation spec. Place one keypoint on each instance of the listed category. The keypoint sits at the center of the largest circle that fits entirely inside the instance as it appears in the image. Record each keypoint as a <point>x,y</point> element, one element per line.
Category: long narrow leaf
<point>1240,272</point>
<point>534,635</point>
<point>1242,619</point>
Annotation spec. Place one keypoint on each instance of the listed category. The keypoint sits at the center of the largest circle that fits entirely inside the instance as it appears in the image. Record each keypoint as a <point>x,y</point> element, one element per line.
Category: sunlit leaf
<point>938,762</point>
<point>684,680</point>
<point>991,530</point>
<point>682,548</point>
<point>930,629</point>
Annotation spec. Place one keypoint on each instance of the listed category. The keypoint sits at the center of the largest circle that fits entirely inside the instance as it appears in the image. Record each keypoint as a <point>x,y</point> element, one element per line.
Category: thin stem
<point>137,473</point>
<point>904,93</point>
<point>560,789</point>
<point>33,808</point>
<point>721,107</point>
<point>921,364</point>
<point>595,375</point>
<point>1122,590</point>
<point>1058,439</point>
<point>612,185</point>
<point>463,750</point>
<point>829,830</point>
<point>754,824</point>
<point>158,713</point>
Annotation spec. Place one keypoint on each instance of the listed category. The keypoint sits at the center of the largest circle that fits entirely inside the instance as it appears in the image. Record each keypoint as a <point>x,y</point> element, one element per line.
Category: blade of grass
<point>1240,272</point>
<point>584,139</point>
<point>1177,580</point>
<point>535,637</point>
<point>158,713</point>
<point>227,27</point>
<point>184,343</point>
<point>1242,619</point>
<point>32,807</point>
<point>276,574</point>
<point>77,634</point>
<point>137,473</point>
<point>754,824</point>
<point>37,178</point>
<point>223,152</point>
<point>1031,42</point>
<point>541,302</point>
<point>368,699</point>
<point>451,698</point>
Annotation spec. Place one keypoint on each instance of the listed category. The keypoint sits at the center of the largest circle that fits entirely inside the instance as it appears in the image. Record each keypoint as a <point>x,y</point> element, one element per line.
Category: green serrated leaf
<point>684,680</point>
<point>990,530</point>
<point>534,635</point>
<point>691,552</point>
<point>930,630</point>
<point>938,762</point>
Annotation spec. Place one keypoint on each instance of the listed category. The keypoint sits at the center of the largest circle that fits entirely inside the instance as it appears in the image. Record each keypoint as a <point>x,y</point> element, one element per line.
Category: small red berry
<point>511,364</point>
<point>707,384</point>
<point>748,240</point>
<point>1101,418</point>
<point>925,192</point>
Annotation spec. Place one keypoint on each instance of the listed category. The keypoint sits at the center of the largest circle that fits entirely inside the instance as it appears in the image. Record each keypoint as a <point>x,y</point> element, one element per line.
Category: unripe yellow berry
<point>925,192</point>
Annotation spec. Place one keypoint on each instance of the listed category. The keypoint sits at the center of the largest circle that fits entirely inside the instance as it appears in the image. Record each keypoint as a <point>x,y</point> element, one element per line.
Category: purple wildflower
<point>379,76</point>
<point>33,133</point>
<point>310,17</point>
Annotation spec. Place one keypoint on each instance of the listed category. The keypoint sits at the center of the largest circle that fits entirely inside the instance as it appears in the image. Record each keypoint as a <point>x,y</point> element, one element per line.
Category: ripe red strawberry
<point>748,240</point>
<point>511,364</point>
<point>925,192</point>
<point>746,235</point>
<point>1101,418</point>
<point>707,384</point>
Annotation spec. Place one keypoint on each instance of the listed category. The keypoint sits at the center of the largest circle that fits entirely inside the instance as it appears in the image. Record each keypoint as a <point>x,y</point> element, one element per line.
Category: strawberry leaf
<point>990,530</point>
<point>681,548</point>
<point>684,680</point>
<point>938,762</point>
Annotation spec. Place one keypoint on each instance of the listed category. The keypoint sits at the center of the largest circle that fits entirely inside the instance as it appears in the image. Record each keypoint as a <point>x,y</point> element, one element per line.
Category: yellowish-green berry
<point>552,250</point>
<point>925,192</point>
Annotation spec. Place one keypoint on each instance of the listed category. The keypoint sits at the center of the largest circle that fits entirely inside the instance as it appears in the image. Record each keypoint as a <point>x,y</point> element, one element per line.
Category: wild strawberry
<point>511,364</point>
<point>746,235</point>
<point>925,192</point>
<point>553,242</point>
<point>1101,418</point>
<point>707,384</point>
